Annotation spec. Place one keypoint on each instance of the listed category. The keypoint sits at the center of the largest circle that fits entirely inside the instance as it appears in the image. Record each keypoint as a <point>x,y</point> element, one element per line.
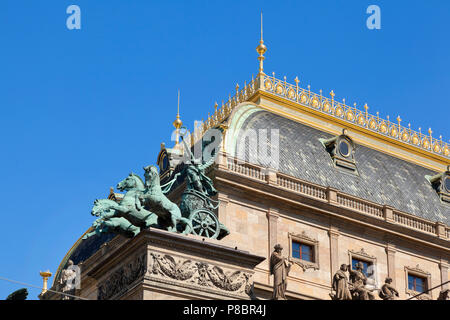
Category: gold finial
<point>45,275</point>
<point>366,107</point>
<point>261,49</point>
<point>177,123</point>
<point>332,94</point>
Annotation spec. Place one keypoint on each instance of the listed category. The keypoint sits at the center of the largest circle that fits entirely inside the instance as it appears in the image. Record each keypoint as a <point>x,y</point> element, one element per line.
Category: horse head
<point>151,176</point>
<point>131,182</point>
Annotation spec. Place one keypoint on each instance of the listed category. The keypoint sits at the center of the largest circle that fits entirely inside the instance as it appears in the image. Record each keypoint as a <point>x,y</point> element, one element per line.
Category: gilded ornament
<point>303,98</point>
<point>339,111</point>
<point>446,151</point>
<point>315,102</point>
<point>405,136</point>
<point>437,148</point>
<point>350,116</point>
<point>291,94</point>
<point>279,89</point>
<point>361,120</point>
<point>394,132</point>
<point>268,85</point>
<point>426,144</point>
<point>372,124</point>
<point>326,107</point>
<point>383,128</point>
<point>415,139</point>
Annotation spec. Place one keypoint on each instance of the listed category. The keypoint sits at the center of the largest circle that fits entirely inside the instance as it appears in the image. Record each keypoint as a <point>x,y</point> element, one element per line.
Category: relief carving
<point>418,269</point>
<point>200,273</point>
<point>362,253</point>
<point>122,278</point>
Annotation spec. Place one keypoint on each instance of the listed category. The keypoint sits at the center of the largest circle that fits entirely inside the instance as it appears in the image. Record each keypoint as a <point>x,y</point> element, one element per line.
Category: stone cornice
<point>374,218</point>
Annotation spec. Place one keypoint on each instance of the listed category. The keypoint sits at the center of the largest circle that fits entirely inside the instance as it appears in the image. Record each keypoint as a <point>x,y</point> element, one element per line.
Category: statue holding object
<point>279,267</point>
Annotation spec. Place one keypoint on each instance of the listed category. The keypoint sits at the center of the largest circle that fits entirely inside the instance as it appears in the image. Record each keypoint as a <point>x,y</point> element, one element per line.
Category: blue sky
<point>80,109</point>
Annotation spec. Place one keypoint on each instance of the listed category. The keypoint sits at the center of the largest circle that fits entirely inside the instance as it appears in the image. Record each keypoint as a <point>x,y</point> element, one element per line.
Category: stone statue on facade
<point>67,280</point>
<point>444,295</point>
<point>279,267</point>
<point>358,281</point>
<point>388,292</point>
<point>340,284</point>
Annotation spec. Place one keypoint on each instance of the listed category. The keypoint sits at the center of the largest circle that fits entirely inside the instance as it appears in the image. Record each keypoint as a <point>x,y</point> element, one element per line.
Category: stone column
<point>443,265</point>
<point>390,251</point>
<point>333,233</point>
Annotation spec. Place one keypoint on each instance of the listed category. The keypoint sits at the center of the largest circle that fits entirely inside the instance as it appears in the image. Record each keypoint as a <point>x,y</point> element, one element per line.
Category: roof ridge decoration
<point>325,105</point>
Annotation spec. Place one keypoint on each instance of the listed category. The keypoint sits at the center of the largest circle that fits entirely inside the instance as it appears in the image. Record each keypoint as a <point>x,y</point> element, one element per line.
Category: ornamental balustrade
<point>343,200</point>
<point>325,105</point>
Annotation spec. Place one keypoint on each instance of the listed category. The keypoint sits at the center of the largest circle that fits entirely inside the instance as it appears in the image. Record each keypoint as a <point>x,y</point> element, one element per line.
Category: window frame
<point>365,257</point>
<point>418,273</point>
<point>305,240</point>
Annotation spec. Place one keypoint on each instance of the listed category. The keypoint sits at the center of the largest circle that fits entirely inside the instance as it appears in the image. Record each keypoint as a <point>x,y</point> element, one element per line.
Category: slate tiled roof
<point>382,178</point>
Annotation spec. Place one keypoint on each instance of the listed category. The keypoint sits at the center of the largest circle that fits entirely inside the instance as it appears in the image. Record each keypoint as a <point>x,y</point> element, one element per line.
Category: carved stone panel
<point>201,274</point>
<point>121,279</point>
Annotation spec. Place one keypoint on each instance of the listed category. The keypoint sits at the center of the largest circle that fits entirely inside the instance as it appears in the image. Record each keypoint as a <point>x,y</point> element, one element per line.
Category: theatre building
<point>332,184</point>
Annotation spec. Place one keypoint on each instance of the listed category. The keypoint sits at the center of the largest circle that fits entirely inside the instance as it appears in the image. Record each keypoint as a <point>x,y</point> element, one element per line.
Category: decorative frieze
<point>121,279</point>
<point>197,273</point>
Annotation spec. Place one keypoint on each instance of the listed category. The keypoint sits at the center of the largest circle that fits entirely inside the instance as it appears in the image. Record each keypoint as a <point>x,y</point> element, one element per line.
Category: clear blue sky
<point>80,109</point>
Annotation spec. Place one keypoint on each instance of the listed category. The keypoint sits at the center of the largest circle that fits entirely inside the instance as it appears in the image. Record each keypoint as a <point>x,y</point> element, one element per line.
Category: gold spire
<point>261,49</point>
<point>177,123</point>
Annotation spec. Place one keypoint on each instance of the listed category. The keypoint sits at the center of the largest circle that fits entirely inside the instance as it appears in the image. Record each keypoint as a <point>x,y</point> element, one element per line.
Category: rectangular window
<point>416,283</point>
<point>302,251</point>
<point>367,267</point>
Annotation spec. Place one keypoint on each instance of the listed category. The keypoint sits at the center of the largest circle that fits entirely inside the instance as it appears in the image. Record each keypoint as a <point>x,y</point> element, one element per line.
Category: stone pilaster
<point>333,233</point>
<point>388,213</point>
<point>332,195</point>
<point>443,266</point>
<point>271,177</point>
<point>222,160</point>
<point>272,217</point>
<point>390,251</point>
<point>440,230</point>
<point>222,213</point>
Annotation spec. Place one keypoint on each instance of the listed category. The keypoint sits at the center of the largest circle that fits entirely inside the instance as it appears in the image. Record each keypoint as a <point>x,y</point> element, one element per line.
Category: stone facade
<point>260,214</point>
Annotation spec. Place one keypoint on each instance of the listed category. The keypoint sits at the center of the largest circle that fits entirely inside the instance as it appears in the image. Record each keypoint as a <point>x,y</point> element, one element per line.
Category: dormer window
<point>447,184</point>
<point>441,183</point>
<point>341,149</point>
<point>344,148</point>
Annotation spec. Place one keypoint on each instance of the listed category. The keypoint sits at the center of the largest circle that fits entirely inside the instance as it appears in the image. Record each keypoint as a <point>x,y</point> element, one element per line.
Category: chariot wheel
<point>205,223</point>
